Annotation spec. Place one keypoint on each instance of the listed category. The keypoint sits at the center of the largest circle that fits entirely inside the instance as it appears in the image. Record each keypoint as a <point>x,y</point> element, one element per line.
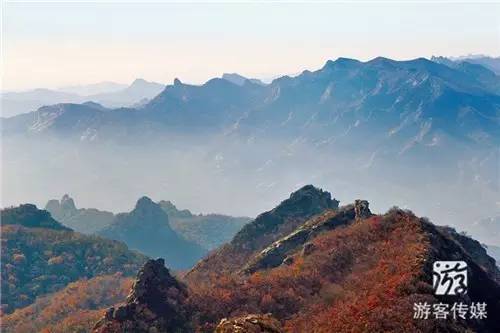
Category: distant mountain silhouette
<point>146,229</point>
<point>109,94</point>
<point>84,220</point>
<point>207,230</point>
<point>492,63</point>
<point>239,79</point>
<point>402,104</point>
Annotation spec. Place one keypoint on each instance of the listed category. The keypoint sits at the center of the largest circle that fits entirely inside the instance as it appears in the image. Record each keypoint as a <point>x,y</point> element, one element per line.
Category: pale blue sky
<point>56,44</point>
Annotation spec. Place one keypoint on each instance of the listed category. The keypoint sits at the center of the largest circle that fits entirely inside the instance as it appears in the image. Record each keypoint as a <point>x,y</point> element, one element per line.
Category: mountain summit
<point>146,228</point>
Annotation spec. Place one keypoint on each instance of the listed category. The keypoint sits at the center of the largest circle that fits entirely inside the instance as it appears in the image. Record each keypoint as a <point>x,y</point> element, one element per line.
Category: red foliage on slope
<point>359,278</point>
<point>73,309</point>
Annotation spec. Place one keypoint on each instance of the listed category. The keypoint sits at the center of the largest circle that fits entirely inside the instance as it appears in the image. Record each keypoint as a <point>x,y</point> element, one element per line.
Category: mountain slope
<point>72,309</point>
<point>349,271</point>
<point>40,258</point>
<point>29,216</point>
<point>207,230</point>
<point>146,228</point>
<point>265,229</point>
<point>343,274</point>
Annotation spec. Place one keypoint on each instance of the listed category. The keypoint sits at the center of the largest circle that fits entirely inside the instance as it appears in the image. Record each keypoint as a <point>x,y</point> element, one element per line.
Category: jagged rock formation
<point>267,228</point>
<point>155,304</point>
<point>146,228</point>
<point>250,324</point>
<point>279,251</point>
<point>84,220</point>
<point>301,205</point>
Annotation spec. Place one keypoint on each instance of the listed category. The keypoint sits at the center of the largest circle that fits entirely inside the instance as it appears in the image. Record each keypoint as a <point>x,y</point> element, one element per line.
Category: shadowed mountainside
<point>146,228</point>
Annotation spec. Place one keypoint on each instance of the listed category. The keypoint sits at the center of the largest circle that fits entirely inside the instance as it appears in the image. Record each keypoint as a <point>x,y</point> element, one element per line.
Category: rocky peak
<point>155,304</point>
<point>289,214</point>
<point>308,199</point>
<point>144,203</point>
<point>67,203</point>
<point>147,210</point>
<point>361,210</point>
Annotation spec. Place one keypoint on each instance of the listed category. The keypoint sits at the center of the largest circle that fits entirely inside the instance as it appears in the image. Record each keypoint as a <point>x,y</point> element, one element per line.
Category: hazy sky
<point>52,44</point>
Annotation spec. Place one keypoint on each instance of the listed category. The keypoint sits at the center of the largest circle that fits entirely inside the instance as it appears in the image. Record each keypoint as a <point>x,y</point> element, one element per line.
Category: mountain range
<point>344,125</point>
<point>417,101</point>
<point>108,94</point>
<point>492,63</point>
<point>206,230</point>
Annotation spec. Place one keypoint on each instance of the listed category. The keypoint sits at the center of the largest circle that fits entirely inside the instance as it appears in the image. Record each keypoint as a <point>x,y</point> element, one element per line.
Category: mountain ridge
<point>354,271</point>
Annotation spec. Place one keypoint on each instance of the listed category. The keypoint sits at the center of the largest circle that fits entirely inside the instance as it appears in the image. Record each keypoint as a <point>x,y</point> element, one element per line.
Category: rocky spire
<point>155,304</point>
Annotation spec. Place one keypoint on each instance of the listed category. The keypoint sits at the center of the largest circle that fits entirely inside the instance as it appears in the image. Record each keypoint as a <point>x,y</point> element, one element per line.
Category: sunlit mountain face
<point>416,133</point>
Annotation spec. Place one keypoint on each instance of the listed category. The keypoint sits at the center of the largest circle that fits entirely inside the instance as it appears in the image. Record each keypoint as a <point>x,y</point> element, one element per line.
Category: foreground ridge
<point>310,266</point>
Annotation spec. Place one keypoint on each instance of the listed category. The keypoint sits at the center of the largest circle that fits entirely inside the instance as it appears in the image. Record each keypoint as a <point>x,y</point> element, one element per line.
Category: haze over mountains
<point>308,264</point>
<point>492,63</point>
<point>426,132</point>
<point>109,94</point>
<point>208,231</point>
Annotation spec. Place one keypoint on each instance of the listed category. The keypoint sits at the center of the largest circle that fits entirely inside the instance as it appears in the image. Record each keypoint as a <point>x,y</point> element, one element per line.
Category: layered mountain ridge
<point>403,95</point>
<point>146,228</point>
<point>350,270</point>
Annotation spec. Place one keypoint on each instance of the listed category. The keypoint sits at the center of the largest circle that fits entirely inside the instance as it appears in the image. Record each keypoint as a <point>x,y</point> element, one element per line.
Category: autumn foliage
<point>74,309</point>
<point>361,278</point>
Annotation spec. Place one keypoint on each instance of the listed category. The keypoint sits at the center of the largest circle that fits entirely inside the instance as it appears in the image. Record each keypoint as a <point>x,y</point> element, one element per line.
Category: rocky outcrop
<point>302,204</point>
<point>156,303</point>
<point>267,228</point>
<point>250,324</point>
<point>275,254</point>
